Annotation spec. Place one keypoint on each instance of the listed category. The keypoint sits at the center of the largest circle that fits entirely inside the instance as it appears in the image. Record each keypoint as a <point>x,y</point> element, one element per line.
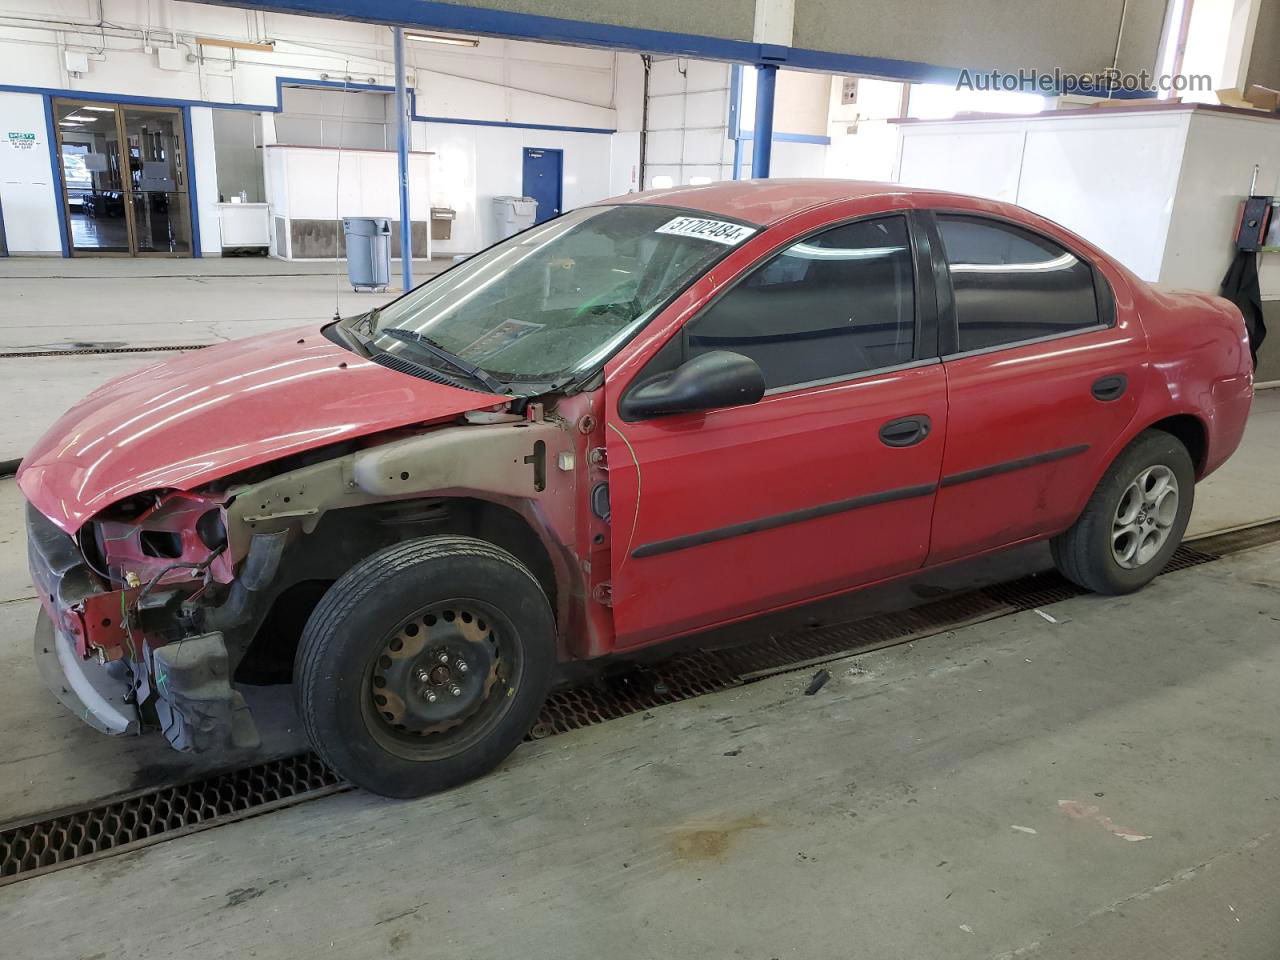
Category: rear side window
<point>1011,284</point>
<point>831,306</point>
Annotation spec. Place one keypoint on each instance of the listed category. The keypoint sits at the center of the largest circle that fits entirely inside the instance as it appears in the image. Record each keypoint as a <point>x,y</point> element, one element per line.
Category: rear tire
<point>1135,519</point>
<point>425,665</point>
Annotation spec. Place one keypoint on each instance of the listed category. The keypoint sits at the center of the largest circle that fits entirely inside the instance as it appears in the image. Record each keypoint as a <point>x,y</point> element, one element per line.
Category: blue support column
<point>402,149</point>
<point>762,143</point>
<point>735,117</point>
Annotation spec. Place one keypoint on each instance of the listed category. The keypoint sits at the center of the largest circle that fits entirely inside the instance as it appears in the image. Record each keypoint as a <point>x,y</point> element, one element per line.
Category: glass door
<point>93,178</point>
<point>124,175</point>
<point>159,202</point>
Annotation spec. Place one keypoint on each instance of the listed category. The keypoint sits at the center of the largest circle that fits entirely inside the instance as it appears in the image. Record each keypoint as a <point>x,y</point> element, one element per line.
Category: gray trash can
<point>514,214</point>
<point>368,252</point>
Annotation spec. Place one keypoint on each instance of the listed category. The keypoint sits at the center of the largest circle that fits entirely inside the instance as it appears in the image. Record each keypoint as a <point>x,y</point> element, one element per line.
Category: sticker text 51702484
<point>701,228</point>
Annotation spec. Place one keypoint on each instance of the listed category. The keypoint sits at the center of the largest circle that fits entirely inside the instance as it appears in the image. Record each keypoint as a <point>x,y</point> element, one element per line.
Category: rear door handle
<point>1110,387</point>
<point>905,431</point>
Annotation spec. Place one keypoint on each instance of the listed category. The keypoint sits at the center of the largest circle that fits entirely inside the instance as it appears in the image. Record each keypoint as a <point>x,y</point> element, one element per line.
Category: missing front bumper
<point>85,687</point>
<point>192,699</point>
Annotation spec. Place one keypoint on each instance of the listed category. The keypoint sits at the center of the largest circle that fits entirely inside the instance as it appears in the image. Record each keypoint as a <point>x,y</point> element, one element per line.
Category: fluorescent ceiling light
<point>441,38</point>
<point>79,119</point>
<point>100,109</point>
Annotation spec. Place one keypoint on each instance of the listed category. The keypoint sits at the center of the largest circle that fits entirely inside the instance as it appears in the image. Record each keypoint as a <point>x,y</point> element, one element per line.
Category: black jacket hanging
<point>1240,286</point>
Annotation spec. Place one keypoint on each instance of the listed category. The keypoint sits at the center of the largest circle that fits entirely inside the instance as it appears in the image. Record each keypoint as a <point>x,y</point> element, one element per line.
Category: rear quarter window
<point>1013,285</point>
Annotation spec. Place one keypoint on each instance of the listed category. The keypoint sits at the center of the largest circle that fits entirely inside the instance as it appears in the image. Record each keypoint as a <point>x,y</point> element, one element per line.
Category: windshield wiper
<point>368,320</point>
<point>478,374</point>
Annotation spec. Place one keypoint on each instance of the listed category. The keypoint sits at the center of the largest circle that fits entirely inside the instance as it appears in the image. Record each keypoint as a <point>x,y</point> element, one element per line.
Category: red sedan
<point>641,419</point>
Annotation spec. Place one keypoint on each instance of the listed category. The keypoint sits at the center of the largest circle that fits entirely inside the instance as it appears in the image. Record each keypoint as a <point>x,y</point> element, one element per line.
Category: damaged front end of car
<point>157,608</point>
<point>124,638</point>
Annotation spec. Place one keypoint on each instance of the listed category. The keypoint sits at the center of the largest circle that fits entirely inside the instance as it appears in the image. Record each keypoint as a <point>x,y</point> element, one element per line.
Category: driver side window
<point>831,306</point>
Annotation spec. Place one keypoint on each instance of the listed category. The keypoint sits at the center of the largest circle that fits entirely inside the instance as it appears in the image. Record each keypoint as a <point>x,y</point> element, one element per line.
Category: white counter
<point>309,188</point>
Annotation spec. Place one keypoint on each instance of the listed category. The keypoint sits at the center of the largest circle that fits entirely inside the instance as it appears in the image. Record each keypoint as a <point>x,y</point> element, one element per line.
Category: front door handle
<point>1111,387</point>
<point>905,431</point>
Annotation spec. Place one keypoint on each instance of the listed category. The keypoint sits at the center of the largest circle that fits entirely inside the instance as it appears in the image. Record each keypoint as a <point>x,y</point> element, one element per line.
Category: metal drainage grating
<point>95,351</point>
<point>81,835</point>
<point>704,671</point>
<point>1219,545</point>
<point>681,677</point>
<point>78,836</point>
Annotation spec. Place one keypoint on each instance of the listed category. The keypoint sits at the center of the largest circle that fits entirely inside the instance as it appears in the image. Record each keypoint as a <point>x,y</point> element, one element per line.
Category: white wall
<point>1159,190</point>
<point>864,144</point>
<point>688,134</point>
<point>26,177</point>
<point>1219,158</point>
<point>499,81</point>
<point>204,164</point>
<point>1054,166</point>
<point>801,105</point>
<point>472,165</point>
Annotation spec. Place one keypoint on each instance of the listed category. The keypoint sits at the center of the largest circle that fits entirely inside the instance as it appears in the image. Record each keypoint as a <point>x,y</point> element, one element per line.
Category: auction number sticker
<point>700,228</point>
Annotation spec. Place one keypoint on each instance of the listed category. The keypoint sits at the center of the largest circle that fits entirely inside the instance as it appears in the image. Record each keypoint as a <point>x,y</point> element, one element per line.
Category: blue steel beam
<point>762,142</point>
<point>402,151</point>
<point>459,18</point>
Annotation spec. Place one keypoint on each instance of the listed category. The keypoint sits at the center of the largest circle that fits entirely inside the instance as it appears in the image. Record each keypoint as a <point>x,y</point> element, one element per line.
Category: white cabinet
<point>244,225</point>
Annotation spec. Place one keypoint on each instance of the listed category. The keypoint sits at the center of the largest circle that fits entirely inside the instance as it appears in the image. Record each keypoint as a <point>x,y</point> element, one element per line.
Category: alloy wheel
<point>1145,517</point>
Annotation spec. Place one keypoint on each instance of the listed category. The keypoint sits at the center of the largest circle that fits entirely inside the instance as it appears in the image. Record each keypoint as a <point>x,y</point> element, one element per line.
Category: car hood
<point>210,412</point>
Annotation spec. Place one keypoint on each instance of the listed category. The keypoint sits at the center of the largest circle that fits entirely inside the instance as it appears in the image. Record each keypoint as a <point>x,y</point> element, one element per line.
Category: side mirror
<point>716,379</point>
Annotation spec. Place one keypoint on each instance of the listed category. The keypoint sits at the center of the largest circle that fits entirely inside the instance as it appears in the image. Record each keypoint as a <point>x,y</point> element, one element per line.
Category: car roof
<point>766,202</point>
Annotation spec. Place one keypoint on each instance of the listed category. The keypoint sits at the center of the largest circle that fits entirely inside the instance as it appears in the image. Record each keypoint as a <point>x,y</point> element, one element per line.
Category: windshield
<point>559,298</point>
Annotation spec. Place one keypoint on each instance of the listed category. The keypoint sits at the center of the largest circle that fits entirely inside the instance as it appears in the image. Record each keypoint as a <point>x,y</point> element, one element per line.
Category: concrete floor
<point>1101,786</point>
<point>56,304</point>
<point>1104,785</point>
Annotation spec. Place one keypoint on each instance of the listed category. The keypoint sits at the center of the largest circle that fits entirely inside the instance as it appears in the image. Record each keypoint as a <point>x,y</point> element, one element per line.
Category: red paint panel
<point>767,202</point>
<point>681,475</point>
<point>188,420</point>
<point>1022,402</point>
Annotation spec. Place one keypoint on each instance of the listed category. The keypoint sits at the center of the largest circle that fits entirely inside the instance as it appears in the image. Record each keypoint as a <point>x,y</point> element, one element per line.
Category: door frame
<point>948,318</point>
<point>928,304</point>
<point>632,365</point>
<point>524,170</point>
<point>186,170</point>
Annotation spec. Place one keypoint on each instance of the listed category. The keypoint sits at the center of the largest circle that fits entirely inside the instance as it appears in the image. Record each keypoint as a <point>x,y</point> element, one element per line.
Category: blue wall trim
<point>788,137</point>
<point>276,107</point>
<point>55,164</point>
<point>735,101</point>
<point>93,95</point>
<point>735,117</point>
<point>192,199</point>
<point>518,126</point>
<point>282,82</point>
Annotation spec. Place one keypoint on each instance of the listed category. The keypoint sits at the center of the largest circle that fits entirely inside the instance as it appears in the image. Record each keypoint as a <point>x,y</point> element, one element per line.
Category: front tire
<point>425,665</point>
<point>1135,519</point>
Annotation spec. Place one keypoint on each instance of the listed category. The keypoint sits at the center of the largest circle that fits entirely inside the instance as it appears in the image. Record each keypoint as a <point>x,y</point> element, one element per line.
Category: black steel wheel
<point>425,665</point>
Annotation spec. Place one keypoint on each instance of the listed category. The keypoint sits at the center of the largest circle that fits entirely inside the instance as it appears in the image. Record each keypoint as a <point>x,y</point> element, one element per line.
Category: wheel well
<point>1192,434</point>
<point>345,537</point>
